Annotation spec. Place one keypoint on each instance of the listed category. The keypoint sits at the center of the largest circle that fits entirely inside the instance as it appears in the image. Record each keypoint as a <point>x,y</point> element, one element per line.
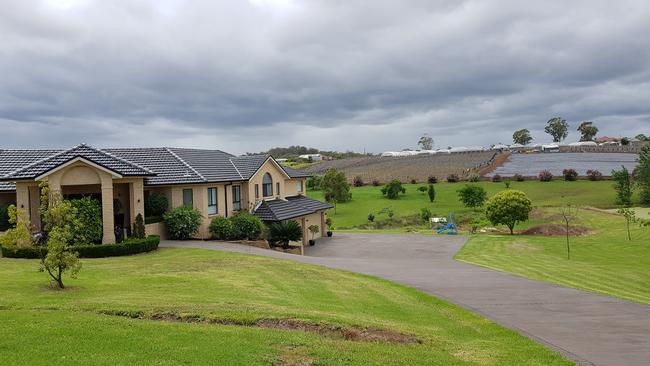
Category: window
<point>277,188</point>
<point>188,198</point>
<point>212,201</point>
<point>236,198</point>
<point>299,186</point>
<point>257,191</point>
<point>267,185</point>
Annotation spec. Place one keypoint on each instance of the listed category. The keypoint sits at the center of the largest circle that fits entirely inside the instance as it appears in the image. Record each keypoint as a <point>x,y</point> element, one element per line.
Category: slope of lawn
<point>368,199</point>
<point>42,326</point>
<point>604,261</point>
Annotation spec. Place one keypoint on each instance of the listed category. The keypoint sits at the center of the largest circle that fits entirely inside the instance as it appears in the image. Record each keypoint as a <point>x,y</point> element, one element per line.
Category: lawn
<point>43,326</point>
<point>603,261</point>
<point>368,199</point>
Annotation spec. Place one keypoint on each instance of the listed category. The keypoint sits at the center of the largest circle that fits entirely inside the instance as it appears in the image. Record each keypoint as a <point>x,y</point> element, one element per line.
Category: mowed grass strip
<point>368,199</point>
<point>604,261</point>
<point>36,320</point>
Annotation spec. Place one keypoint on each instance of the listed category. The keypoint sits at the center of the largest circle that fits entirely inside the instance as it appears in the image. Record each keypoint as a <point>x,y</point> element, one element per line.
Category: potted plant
<point>313,229</point>
<point>328,222</point>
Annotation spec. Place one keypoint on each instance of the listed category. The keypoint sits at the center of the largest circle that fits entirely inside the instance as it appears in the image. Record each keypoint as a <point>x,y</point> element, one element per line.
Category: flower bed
<point>128,247</point>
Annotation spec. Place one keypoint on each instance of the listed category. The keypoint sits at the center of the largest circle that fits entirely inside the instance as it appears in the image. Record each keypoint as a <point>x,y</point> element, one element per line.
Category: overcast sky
<point>347,75</point>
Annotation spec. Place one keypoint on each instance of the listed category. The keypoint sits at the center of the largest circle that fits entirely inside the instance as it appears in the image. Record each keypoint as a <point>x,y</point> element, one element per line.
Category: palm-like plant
<point>283,232</point>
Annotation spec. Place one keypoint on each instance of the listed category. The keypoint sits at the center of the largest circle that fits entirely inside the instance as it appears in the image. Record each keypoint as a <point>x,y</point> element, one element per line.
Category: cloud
<point>246,76</point>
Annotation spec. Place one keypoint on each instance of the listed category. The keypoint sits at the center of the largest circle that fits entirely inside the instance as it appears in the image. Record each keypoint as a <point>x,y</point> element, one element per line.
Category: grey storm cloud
<point>249,75</point>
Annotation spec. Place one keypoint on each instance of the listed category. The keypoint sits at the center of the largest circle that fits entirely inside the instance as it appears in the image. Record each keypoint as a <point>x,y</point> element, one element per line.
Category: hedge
<point>128,247</point>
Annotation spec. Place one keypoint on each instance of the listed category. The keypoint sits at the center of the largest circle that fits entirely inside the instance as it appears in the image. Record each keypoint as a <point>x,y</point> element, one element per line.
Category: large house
<point>212,181</point>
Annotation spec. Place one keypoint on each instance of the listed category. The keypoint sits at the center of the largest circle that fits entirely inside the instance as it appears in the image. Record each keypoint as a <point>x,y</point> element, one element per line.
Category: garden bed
<point>128,247</point>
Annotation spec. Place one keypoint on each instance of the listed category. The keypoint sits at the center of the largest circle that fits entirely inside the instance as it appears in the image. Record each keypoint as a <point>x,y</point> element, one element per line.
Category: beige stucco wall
<point>156,229</point>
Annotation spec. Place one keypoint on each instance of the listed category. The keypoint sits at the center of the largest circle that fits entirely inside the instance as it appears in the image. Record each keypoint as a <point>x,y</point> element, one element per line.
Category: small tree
<point>138,230</point>
<point>425,214</point>
<point>570,175</point>
<point>283,232</point>
<point>371,217</point>
<point>569,213</point>
<point>313,230</point>
<point>431,192</point>
<point>313,183</point>
<point>630,217</point>
<point>522,137</point>
<point>587,131</point>
<point>432,179</point>
<point>335,187</point>
<point>643,174</point>
<point>426,142</point>
<point>508,208</point>
<point>393,189</point>
<point>623,186</point>
<point>472,195</point>
<point>59,219</point>
<point>558,128</point>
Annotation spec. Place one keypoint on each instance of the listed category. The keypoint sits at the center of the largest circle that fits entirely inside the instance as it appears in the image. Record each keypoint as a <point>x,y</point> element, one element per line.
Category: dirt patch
<point>358,334</point>
<point>498,160</point>
<point>252,243</point>
<point>556,230</point>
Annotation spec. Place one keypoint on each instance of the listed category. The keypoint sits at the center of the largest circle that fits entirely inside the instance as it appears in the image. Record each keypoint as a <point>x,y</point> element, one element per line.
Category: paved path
<point>590,328</point>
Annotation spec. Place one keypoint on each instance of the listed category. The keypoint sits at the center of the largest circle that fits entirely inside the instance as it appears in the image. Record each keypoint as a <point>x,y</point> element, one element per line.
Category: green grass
<point>368,199</point>
<point>42,326</point>
<point>603,261</point>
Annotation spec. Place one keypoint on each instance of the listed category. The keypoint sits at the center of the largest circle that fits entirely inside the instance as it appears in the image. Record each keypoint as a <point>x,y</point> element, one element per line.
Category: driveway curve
<point>590,328</point>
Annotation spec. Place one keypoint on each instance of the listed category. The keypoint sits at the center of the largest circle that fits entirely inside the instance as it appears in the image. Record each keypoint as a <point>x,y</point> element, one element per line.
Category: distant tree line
<point>296,150</point>
<point>558,128</point>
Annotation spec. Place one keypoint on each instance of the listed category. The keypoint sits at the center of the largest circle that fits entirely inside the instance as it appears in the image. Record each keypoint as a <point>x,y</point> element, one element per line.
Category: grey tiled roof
<point>292,207</point>
<point>102,158</point>
<point>293,173</point>
<point>160,165</point>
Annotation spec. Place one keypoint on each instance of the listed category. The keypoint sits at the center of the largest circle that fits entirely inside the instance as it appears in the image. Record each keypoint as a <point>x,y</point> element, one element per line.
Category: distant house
<point>213,182</point>
<point>551,148</point>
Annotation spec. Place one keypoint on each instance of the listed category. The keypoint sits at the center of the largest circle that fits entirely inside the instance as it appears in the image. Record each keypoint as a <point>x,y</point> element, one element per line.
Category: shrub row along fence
<point>128,247</point>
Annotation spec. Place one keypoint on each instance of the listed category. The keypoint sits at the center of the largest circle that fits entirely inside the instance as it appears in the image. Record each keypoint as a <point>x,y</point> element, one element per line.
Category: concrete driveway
<point>589,328</point>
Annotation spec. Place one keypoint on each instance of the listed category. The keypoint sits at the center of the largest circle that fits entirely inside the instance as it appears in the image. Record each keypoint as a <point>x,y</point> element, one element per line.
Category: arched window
<point>267,185</point>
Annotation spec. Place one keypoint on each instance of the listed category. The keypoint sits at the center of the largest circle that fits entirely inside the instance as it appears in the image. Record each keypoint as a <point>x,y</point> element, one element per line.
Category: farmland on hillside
<point>530,165</point>
<point>417,167</point>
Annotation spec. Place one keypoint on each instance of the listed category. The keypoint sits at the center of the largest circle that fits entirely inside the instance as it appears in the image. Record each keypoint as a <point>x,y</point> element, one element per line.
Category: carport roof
<point>289,208</point>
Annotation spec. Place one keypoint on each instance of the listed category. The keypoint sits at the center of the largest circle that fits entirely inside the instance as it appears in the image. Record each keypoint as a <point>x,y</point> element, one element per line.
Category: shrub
<point>507,184</point>
<point>422,189</point>
<point>570,175</point>
<point>425,214</point>
<point>155,204</point>
<point>89,228</point>
<point>453,178</point>
<point>643,175</point>
<point>221,228</point>
<point>313,183</point>
<point>472,195</point>
<point>518,177</point>
<point>371,217</point>
<point>376,183</point>
<point>182,222</point>
<point>127,247</point>
<point>432,180</point>
<point>18,234</point>
<point>413,181</point>
<point>246,226</point>
<point>624,186</point>
<point>508,208</point>
<point>431,192</point>
<point>474,178</point>
<point>357,181</point>
<point>393,189</point>
<point>496,178</point>
<point>594,175</point>
<point>138,230</point>
<point>283,232</point>
<point>545,176</point>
